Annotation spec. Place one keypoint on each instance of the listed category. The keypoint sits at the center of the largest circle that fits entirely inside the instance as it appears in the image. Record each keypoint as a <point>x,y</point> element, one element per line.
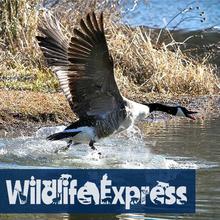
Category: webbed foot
<point>65,148</point>
<point>91,144</point>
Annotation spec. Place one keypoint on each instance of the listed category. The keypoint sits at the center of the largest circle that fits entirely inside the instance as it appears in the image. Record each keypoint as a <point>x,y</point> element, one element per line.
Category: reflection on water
<point>174,144</point>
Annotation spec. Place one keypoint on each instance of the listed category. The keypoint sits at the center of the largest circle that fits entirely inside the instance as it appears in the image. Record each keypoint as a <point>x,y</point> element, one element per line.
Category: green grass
<point>21,77</point>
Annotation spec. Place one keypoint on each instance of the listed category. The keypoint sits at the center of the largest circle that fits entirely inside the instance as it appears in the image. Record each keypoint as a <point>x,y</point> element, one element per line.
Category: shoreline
<point>24,112</point>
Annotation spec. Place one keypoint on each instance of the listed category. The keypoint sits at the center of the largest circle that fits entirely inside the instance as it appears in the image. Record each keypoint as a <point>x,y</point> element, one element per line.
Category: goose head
<point>172,110</point>
<point>183,112</point>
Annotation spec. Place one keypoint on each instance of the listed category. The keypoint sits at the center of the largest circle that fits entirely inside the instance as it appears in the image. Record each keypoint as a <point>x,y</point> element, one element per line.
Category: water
<point>172,144</point>
<point>157,13</point>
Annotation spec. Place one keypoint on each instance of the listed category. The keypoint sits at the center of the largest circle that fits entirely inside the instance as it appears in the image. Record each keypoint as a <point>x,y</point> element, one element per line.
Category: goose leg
<point>68,145</point>
<point>65,147</point>
<point>91,144</point>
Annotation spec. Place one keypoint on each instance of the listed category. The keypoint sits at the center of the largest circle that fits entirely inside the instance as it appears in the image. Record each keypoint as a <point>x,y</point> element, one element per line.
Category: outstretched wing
<point>84,68</point>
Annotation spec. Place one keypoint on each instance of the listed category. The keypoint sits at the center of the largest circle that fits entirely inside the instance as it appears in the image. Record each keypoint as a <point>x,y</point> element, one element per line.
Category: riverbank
<point>24,112</point>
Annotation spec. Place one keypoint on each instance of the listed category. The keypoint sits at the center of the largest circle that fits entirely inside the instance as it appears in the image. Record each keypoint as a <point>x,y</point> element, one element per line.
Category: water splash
<point>46,131</point>
<point>127,149</point>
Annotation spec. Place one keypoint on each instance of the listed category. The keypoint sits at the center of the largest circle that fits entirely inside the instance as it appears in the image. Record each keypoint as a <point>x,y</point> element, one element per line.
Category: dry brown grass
<point>140,67</point>
<point>18,19</point>
<point>158,70</point>
<point>21,64</point>
<point>33,106</point>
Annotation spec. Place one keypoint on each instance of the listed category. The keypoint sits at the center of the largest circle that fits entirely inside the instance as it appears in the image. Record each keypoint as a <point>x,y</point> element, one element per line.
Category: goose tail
<point>62,135</point>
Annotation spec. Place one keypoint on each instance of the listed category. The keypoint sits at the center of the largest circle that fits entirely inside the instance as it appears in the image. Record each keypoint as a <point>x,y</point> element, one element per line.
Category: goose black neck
<point>163,108</point>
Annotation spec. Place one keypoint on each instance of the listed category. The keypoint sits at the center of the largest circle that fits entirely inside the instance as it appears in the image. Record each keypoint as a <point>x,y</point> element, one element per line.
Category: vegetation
<point>139,64</point>
<point>22,65</point>
<point>144,70</point>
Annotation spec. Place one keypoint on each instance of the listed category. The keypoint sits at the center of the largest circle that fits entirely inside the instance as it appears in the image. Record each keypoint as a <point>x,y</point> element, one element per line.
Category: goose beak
<point>189,115</point>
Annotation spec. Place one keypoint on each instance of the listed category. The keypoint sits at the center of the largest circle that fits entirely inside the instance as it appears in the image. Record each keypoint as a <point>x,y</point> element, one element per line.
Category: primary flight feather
<point>85,70</point>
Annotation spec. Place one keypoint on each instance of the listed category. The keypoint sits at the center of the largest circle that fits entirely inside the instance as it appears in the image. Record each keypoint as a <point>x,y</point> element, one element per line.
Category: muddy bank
<point>23,112</point>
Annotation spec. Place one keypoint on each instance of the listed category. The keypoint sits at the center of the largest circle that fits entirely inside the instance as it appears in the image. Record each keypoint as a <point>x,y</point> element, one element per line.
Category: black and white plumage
<point>84,68</point>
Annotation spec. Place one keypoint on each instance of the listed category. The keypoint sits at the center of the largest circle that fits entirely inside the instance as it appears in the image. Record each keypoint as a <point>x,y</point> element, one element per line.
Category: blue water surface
<point>199,14</point>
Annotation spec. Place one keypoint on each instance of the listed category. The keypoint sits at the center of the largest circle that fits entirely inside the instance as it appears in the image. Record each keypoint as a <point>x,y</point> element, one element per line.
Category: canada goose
<point>84,68</point>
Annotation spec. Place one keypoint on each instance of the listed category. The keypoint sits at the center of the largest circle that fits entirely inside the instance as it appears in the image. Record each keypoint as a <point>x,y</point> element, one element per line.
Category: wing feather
<point>84,68</point>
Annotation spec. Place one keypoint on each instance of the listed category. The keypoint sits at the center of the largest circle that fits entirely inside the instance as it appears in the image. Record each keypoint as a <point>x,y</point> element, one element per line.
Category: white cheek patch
<point>180,113</point>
